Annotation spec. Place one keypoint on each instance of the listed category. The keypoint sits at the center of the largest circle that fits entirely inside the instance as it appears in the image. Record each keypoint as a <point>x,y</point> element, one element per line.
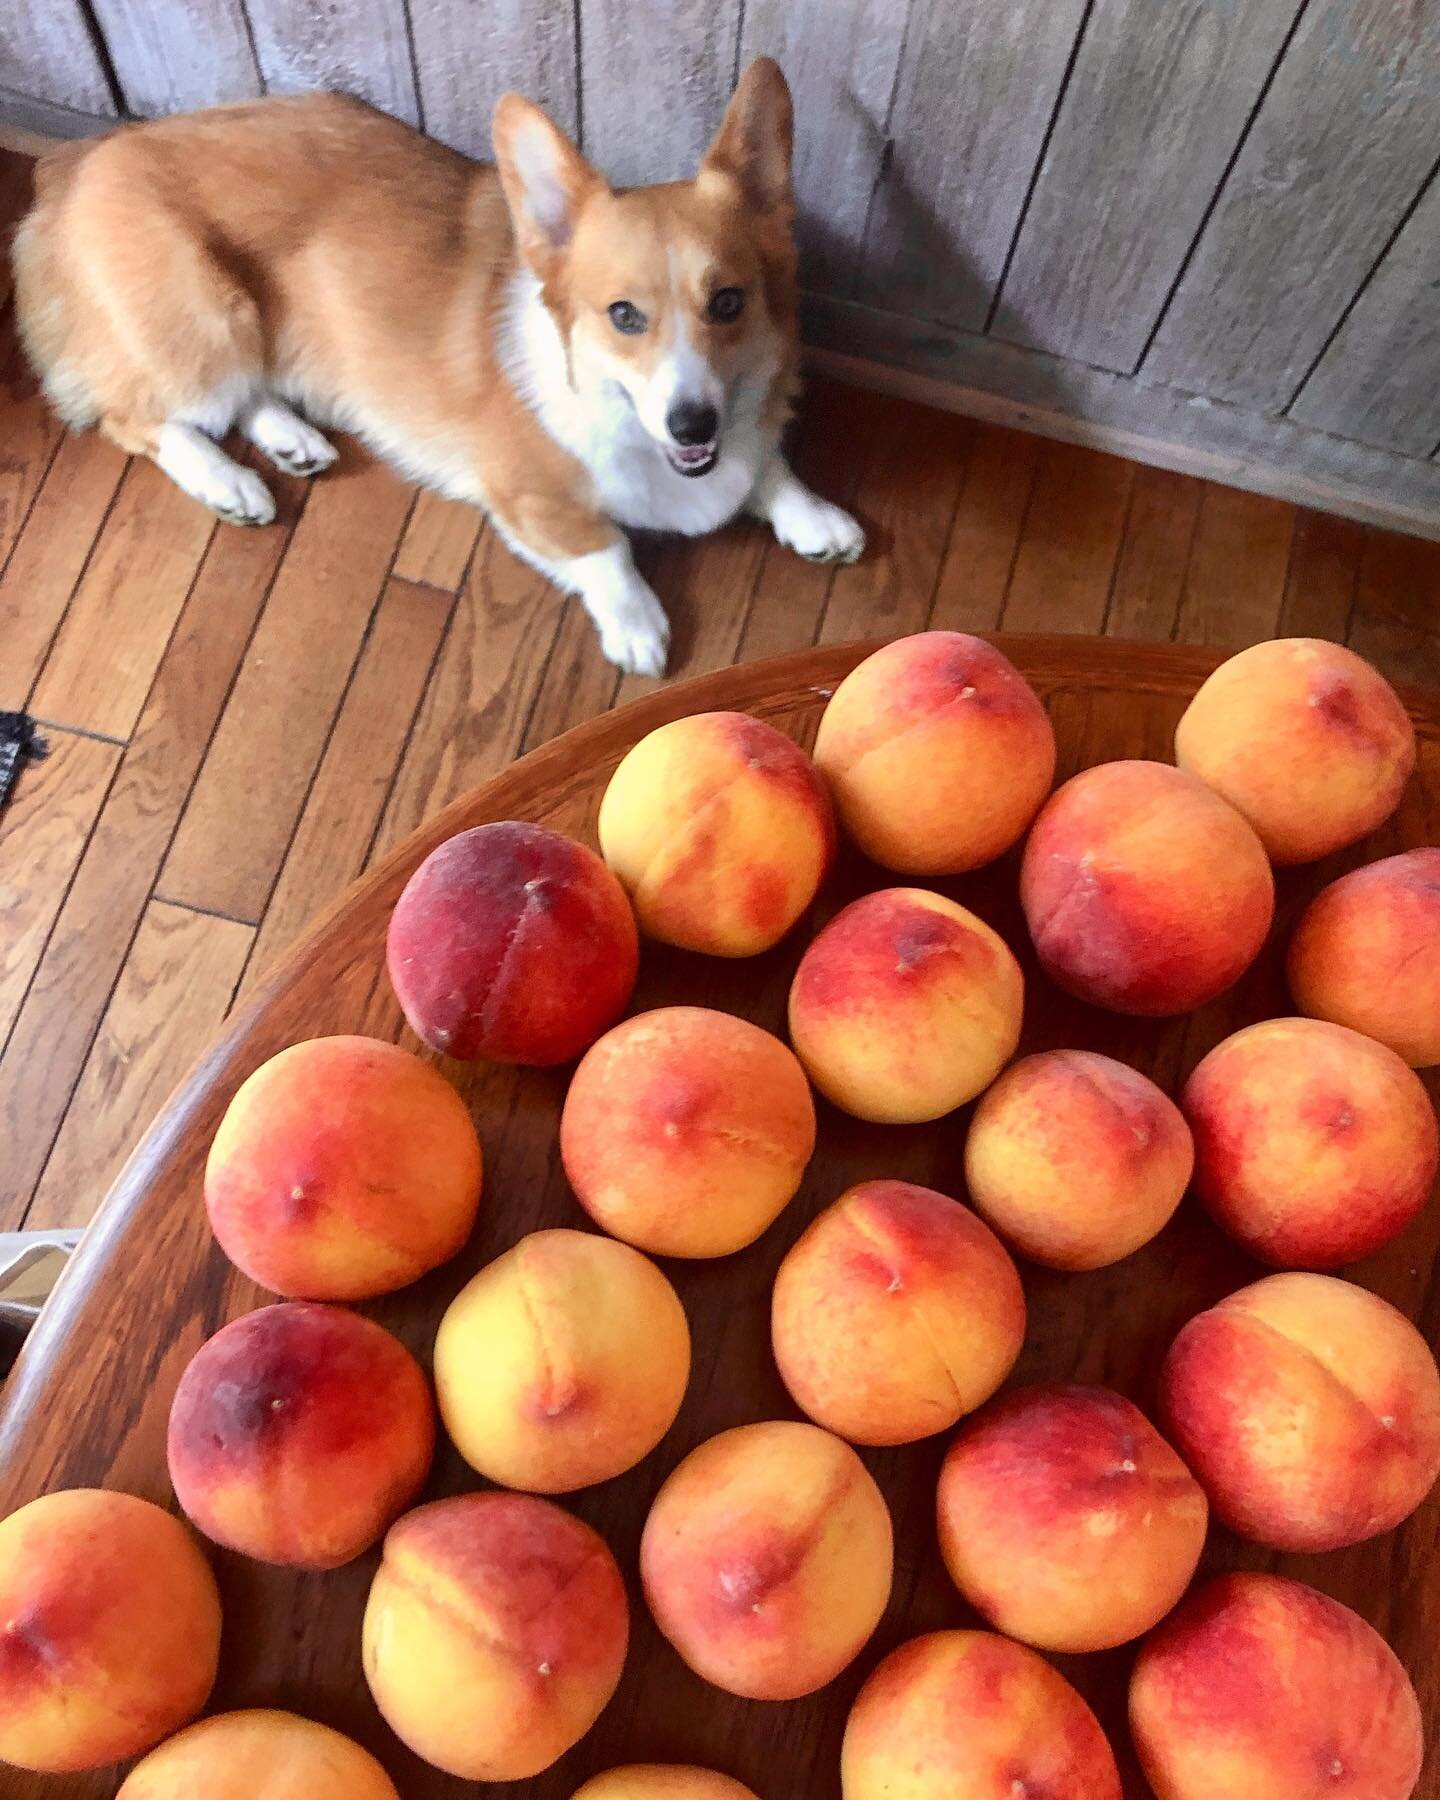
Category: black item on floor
<point>19,738</point>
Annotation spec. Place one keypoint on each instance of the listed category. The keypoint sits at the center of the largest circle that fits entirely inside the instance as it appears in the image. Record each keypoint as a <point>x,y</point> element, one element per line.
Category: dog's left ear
<point>546,180</point>
<point>753,146</point>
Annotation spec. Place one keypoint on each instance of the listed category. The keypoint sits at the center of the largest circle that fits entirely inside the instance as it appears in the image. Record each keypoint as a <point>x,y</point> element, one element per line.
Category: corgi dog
<point>576,360</point>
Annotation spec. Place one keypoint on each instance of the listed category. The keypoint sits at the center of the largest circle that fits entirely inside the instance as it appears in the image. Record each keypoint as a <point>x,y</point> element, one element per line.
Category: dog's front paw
<point>239,496</point>
<point>635,634</point>
<point>816,530</point>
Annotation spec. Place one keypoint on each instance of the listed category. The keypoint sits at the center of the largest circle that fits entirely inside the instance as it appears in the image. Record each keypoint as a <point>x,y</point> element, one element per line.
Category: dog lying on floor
<point>571,359</point>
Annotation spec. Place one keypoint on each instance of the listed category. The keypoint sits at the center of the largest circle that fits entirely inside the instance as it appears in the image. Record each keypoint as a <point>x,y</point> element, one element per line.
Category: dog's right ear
<point>546,180</point>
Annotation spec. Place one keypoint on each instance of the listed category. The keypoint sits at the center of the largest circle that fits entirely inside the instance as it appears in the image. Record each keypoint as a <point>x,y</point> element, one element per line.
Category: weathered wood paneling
<point>47,52</point>
<point>180,54</point>
<point>654,79</point>
<point>469,52</point>
<point>362,47</point>
<point>1156,104</point>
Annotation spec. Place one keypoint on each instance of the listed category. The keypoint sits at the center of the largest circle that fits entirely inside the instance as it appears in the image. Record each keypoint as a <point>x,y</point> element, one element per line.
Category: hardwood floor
<point>240,721</point>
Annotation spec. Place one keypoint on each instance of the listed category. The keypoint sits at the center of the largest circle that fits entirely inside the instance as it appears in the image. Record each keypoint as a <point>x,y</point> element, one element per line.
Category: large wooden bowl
<point>87,1405</point>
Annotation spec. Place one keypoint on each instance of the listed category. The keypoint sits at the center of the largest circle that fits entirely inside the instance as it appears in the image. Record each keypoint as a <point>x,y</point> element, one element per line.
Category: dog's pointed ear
<point>754,144</point>
<point>546,180</point>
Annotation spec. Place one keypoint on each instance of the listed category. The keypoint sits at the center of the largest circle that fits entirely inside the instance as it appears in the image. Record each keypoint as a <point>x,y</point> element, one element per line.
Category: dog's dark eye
<point>727,305</point>
<point>627,317</point>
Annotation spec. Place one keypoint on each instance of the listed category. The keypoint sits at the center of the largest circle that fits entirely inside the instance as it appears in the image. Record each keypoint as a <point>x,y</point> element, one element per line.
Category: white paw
<point>634,633</point>
<point>238,495</point>
<point>288,441</point>
<point>816,530</point>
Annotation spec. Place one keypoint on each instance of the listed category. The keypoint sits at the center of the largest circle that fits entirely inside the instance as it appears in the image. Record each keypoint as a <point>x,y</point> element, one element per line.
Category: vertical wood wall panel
<point>1341,147</point>
<point>362,46</point>
<point>469,52</point>
<point>172,54</point>
<point>1157,102</point>
<point>654,79</point>
<point>47,52</point>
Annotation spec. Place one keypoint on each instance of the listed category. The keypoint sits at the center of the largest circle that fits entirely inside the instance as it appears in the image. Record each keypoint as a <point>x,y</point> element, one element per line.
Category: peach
<point>654,1781</point>
<point>495,1634</point>
<point>938,753</point>
<point>962,1713</point>
<point>343,1168</point>
<point>563,1363</point>
<point>512,944</point>
<point>720,831</point>
<point>1077,1159</point>
<point>1313,1145</point>
<point>1260,1688</point>
<point>767,1559</point>
<point>895,1313</point>
<point>1143,890</point>
<point>905,1007</point>
<point>1308,1408</point>
<point>1306,739</point>
<point>686,1132</point>
<point>1367,954</point>
<point>109,1630</point>
<point>241,1755</point>
<point>298,1433</point>
<point>1067,1520</point>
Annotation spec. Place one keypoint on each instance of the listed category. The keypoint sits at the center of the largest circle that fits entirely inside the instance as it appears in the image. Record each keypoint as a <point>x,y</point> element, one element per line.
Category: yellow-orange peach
<point>1144,891</point>
<point>895,1313</point>
<point>1077,1159</point>
<point>1260,1688</point>
<point>720,831</point>
<point>109,1630</point>
<point>656,1781</point>
<point>767,1559</point>
<point>938,753</point>
<point>1306,739</point>
<point>962,1713</point>
<point>1313,1145</point>
<point>1367,955</point>
<point>298,1433</point>
<point>1308,1408</point>
<point>259,1756</point>
<point>343,1168</point>
<point>495,1634</point>
<point>905,1007</point>
<point>687,1131</point>
<point>1067,1520</point>
<point>563,1363</point>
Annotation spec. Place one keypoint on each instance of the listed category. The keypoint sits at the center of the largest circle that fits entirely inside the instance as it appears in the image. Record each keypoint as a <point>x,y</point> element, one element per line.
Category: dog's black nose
<point>692,422</point>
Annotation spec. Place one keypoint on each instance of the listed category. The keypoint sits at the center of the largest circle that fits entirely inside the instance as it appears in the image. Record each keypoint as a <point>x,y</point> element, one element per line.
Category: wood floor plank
<point>1324,569</point>
<point>171,999</point>
<point>1235,584</point>
<point>355,775</point>
<point>93,933</point>
<point>232,840</point>
<point>107,650</point>
<point>1396,621</point>
<point>439,541</point>
<point>50,555</point>
<point>579,684</point>
<point>31,433</point>
<point>989,523</point>
<point>1154,555</point>
<point>1071,544</point>
<point>44,828</point>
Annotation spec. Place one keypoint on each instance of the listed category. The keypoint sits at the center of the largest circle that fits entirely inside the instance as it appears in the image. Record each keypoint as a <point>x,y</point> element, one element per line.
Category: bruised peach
<point>938,753</point>
<point>109,1630</point>
<point>298,1433</point>
<point>1367,955</point>
<point>1304,738</point>
<point>1144,891</point>
<point>1313,1145</point>
<point>720,831</point>
<point>895,1313</point>
<point>767,1559</point>
<point>512,944</point>
<point>1077,1159</point>
<point>1259,1688</point>
<point>563,1363</point>
<point>1067,1520</point>
<point>963,1713</point>
<point>654,1781</point>
<point>1308,1408</point>
<point>905,1007</point>
<point>245,1755</point>
<point>495,1634</point>
<point>687,1131</point>
<point>343,1168</point>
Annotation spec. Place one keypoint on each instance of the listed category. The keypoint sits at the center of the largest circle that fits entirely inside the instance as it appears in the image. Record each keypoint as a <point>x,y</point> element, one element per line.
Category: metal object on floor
<point>31,1262</point>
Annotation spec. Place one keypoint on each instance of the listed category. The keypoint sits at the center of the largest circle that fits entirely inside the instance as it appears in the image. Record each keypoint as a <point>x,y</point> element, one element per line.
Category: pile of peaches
<point>1302,1411</point>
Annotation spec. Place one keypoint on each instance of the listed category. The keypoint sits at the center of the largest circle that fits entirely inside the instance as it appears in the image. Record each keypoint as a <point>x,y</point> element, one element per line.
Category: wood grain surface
<point>88,1402</point>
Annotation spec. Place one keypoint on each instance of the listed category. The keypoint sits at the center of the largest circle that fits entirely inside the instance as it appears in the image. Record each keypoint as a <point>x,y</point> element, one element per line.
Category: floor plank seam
<point>156,898</point>
<point>1025,512</point>
<point>962,476</point>
<point>1120,542</point>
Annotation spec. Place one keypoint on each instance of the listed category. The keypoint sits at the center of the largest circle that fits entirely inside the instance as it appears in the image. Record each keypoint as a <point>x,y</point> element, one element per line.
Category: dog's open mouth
<point>693,459</point>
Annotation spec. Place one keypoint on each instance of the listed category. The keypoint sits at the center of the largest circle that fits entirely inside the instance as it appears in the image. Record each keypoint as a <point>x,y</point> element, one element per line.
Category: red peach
<point>1308,1408</point>
<point>1260,1688</point>
<point>272,1755</point>
<point>343,1168</point>
<point>938,753</point>
<point>513,944</point>
<point>1313,1145</point>
<point>298,1433</point>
